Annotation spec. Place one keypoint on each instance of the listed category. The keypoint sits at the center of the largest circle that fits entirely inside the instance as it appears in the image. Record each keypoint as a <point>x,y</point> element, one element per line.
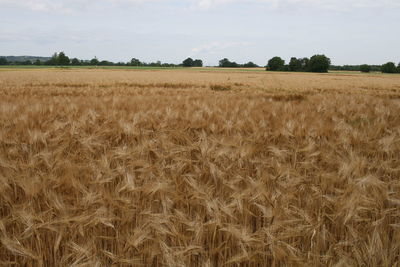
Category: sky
<point>347,31</point>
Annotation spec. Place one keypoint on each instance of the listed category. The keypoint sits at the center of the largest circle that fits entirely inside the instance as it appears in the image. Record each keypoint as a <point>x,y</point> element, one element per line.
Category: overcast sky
<point>348,31</point>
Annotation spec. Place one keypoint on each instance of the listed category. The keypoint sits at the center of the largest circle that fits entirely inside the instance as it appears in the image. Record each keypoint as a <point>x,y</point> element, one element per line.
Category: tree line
<point>61,59</point>
<point>362,68</point>
<point>226,63</point>
<point>321,63</point>
<point>317,63</point>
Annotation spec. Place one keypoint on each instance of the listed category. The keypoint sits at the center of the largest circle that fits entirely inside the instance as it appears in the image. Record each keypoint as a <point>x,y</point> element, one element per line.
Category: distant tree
<point>355,67</point>
<point>250,65</point>
<point>234,65</point>
<point>105,63</point>
<point>188,62</point>
<point>53,60</point>
<point>62,59</point>
<point>365,68</point>
<point>155,64</point>
<point>26,62</point>
<point>275,64</point>
<point>135,62</point>
<point>295,64</point>
<point>389,67</point>
<point>319,63</point>
<point>37,62</point>
<point>398,68</point>
<point>3,61</point>
<point>75,62</point>
<point>198,63</point>
<point>58,59</point>
<point>94,61</point>
<point>226,63</point>
<point>304,63</point>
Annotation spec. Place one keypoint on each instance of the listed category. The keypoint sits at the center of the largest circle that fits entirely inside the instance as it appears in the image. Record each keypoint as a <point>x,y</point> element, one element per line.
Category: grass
<point>102,168</point>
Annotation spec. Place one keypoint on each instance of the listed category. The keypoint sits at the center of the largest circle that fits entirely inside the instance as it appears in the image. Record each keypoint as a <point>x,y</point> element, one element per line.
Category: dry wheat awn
<point>140,168</point>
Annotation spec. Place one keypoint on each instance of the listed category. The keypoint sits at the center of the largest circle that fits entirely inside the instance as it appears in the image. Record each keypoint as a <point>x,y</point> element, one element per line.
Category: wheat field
<point>199,168</point>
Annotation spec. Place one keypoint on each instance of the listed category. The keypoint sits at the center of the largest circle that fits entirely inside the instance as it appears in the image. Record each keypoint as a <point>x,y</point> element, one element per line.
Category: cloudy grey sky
<point>348,31</point>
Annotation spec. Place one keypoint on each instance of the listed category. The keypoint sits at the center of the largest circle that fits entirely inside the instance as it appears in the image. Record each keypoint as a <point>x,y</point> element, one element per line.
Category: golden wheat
<point>154,168</point>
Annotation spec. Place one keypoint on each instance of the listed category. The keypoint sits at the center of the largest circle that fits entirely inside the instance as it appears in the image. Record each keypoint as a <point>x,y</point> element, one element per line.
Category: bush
<point>319,63</point>
<point>275,64</point>
<point>389,67</point>
<point>365,68</point>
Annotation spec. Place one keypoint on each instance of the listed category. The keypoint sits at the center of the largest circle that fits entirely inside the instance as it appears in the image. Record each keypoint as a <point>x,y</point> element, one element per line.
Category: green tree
<point>365,68</point>
<point>295,64</point>
<point>135,62</point>
<point>105,63</point>
<point>37,62</point>
<point>389,67</point>
<point>398,68</point>
<point>75,62</point>
<point>276,64</point>
<point>234,65</point>
<point>250,65</point>
<point>59,59</point>
<point>26,62</point>
<point>3,61</point>
<point>94,61</point>
<point>188,62</point>
<point>224,63</point>
<point>304,63</point>
<point>62,59</point>
<point>319,63</point>
<point>53,60</point>
<point>198,63</point>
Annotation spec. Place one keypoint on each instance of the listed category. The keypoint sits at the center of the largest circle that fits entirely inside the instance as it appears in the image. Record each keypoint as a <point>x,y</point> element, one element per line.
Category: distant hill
<point>25,58</point>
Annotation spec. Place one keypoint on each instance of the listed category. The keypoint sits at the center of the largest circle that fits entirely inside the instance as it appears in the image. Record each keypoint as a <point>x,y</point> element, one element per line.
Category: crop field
<point>198,168</point>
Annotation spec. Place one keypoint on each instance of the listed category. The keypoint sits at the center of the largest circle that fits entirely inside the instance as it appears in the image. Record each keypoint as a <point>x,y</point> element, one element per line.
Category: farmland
<point>198,168</point>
